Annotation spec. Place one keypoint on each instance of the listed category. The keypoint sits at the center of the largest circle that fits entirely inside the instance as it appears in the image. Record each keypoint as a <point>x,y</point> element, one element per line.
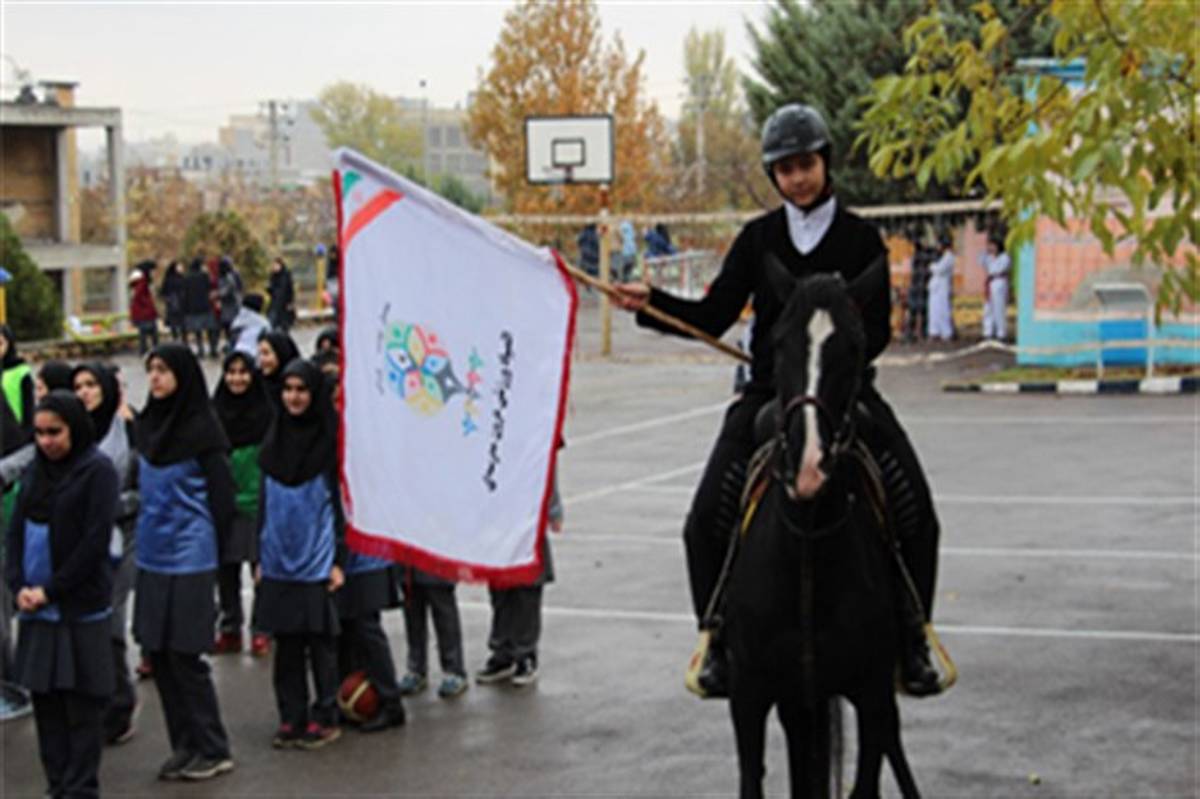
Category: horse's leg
<point>879,735</point>
<point>749,711</point>
<point>893,747</point>
<point>870,718</point>
<point>807,731</point>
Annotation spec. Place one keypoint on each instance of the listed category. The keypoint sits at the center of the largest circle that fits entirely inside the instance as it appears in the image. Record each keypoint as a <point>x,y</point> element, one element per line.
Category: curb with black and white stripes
<point>1149,385</point>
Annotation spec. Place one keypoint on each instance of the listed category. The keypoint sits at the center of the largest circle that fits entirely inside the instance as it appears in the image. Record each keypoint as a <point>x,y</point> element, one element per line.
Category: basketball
<point>357,697</point>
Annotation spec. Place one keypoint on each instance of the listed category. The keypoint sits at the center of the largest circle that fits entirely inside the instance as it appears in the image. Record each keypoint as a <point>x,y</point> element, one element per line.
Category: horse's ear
<point>781,281</point>
<point>872,283</point>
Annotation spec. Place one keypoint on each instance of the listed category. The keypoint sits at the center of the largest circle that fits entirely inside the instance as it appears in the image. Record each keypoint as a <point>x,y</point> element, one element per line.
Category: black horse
<point>810,614</point>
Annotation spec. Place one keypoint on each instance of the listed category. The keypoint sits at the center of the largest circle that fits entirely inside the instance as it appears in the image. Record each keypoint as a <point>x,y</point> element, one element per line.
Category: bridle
<point>843,437</point>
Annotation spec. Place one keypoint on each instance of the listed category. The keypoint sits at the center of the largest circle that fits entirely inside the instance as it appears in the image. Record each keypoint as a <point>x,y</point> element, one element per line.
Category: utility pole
<point>278,119</point>
<point>700,88</point>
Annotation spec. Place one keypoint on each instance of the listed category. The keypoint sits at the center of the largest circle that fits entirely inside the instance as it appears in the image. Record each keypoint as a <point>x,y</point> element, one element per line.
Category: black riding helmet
<point>794,128</point>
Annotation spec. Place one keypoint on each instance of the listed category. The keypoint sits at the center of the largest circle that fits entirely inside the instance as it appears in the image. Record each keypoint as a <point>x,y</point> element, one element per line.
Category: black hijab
<point>110,394</point>
<point>11,358</point>
<point>48,474</point>
<point>329,334</point>
<point>56,375</point>
<point>285,352</point>
<point>183,425</point>
<point>244,416</point>
<point>298,448</point>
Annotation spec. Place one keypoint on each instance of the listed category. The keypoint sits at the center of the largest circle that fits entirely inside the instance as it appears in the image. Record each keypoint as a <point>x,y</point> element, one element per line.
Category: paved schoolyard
<point>1068,597</point>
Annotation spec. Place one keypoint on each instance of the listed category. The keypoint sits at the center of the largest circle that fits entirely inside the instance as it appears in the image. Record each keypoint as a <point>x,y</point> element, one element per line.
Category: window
<point>435,136</point>
<point>453,137</point>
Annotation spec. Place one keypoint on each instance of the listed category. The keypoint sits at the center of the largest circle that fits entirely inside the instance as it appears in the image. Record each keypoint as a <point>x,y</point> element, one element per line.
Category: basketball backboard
<point>569,149</point>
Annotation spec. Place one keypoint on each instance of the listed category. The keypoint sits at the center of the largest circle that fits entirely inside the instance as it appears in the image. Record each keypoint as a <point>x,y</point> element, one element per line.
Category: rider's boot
<point>918,677</point>
<point>708,673</point>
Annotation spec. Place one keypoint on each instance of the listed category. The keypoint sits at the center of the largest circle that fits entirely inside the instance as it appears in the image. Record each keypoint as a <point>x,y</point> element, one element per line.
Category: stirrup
<point>691,677</point>
<point>947,671</point>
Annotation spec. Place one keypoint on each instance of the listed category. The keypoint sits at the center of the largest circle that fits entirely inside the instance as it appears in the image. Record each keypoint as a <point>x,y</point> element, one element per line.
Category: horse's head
<point>819,343</point>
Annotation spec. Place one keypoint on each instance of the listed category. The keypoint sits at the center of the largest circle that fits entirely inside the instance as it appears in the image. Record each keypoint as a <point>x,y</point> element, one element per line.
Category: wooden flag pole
<point>665,318</point>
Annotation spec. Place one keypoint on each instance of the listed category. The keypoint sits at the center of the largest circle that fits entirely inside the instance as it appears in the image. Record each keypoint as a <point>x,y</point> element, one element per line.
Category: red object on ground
<point>357,697</point>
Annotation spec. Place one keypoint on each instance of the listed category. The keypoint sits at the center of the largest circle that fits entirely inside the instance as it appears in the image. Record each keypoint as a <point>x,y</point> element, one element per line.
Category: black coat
<point>81,524</point>
<point>197,286</point>
<point>849,246</point>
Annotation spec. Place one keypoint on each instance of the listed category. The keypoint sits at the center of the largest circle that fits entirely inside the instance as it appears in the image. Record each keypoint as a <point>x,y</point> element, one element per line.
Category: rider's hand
<point>337,578</point>
<point>631,296</point>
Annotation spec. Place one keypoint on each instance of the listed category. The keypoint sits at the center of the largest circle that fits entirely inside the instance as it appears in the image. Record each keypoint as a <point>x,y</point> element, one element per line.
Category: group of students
<point>929,308</point>
<point>170,503</point>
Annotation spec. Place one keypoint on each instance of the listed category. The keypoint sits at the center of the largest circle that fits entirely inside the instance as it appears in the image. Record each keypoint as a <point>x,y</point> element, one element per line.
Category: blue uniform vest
<point>297,538</point>
<point>37,570</point>
<point>175,530</point>
<point>358,563</point>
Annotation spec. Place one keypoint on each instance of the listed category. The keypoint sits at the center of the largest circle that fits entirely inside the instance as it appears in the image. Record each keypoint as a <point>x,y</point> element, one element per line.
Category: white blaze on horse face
<point>810,478</point>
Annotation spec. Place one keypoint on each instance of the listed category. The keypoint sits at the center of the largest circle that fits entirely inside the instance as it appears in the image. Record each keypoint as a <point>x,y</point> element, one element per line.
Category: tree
<point>728,174</point>
<point>357,116</point>
<point>34,307</point>
<point>1117,151</point>
<point>159,207</point>
<point>827,53</point>
<point>225,233</point>
<point>550,60</point>
<point>454,190</point>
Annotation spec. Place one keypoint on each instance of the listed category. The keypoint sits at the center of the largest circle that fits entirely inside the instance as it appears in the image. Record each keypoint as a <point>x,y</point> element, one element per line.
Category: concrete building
<point>39,192</point>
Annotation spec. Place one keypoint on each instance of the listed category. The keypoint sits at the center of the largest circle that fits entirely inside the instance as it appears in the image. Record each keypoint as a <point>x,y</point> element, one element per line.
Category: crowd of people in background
<point>929,302</point>
<point>624,257</point>
<point>182,503</point>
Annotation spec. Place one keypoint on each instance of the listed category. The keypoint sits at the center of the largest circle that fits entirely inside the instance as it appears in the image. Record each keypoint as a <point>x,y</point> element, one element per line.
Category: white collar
<point>807,229</point>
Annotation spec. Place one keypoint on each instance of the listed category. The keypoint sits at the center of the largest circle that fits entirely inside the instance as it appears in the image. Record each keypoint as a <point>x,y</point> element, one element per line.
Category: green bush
<point>226,233</point>
<point>34,307</point>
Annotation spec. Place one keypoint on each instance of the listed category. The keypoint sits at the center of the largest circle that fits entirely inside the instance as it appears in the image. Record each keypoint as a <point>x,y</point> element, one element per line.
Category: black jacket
<point>197,286</point>
<point>81,525</point>
<point>848,248</point>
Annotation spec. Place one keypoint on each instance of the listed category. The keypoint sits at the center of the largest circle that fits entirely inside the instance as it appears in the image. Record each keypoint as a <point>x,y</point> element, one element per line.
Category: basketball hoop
<point>569,149</point>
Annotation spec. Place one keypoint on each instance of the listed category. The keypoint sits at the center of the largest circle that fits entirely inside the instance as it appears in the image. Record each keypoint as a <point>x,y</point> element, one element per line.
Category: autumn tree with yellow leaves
<point>551,59</point>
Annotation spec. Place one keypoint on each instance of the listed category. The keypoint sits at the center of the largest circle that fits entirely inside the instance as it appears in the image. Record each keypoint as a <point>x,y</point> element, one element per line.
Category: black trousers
<point>364,645</point>
<point>294,654</point>
<point>70,739</point>
<point>229,592</point>
<point>189,703</point>
<point>516,622</point>
<point>420,602</point>
<point>713,515</point>
<point>119,713</point>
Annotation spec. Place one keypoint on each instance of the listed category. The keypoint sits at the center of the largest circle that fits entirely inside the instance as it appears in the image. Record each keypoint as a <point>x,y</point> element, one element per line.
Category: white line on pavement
<point>632,484</point>
<point>914,419</point>
<point>647,424</point>
<point>673,539</point>
<point>998,499</point>
<point>614,614</point>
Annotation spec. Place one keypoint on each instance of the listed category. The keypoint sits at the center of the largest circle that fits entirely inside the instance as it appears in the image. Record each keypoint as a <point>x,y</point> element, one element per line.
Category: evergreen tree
<point>34,307</point>
<point>826,53</point>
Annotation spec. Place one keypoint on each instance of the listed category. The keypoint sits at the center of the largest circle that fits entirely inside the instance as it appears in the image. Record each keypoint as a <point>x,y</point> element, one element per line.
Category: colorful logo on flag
<point>420,371</point>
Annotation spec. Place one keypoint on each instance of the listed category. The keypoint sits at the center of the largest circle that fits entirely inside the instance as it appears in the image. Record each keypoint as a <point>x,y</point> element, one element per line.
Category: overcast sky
<point>184,67</point>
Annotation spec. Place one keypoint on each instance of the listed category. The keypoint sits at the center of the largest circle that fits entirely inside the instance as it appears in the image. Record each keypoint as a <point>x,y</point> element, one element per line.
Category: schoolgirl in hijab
<point>54,375</point>
<point>301,552</point>
<point>58,569</point>
<point>276,350</point>
<point>96,386</point>
<point>186,512</point>
<point>245,414</point>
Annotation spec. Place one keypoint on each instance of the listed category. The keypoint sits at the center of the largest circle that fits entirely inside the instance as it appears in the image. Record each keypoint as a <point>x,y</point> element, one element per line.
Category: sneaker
<point>260,645</point>
<point>205,768</point>
<point>286,737</point>
<point>495,670</point>
<point>412,683</point>
<point>173,768</point>
<point>227,643</point>
<point>386,718</point>
<point>452,685</point>
<point>315,736</point>
<point>526,672</point>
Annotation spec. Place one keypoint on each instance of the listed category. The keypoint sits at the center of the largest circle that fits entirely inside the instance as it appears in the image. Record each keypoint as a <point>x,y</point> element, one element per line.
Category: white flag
<point>456,341</point>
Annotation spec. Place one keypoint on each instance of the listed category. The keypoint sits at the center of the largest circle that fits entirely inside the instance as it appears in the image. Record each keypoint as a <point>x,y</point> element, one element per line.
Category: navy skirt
<point>284,607</point>
<point>66,656</point>
<point>175,612</point>
<point>368,592</point>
